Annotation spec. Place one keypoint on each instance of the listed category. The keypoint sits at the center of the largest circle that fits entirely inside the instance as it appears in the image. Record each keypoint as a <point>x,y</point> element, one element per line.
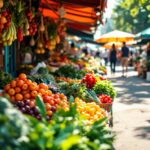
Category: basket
<point>106,106</point>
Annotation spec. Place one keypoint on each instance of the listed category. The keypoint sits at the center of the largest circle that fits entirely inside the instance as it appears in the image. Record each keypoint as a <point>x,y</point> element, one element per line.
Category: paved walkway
<point>131,112</point>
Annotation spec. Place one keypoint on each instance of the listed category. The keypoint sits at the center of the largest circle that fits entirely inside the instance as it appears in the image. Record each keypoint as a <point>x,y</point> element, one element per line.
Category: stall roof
<point>76,11</point>
<point>81,34</point>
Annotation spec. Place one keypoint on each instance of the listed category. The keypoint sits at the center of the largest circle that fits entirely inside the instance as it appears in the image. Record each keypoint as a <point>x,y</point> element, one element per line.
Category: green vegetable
<point>66,131</point>
<point>5,78</point>
<point>43,78</point>
<point>41,106</point>
<point>69,71</point>
<point>13,127</point>
<point>72,89</point>
<point>43,70</point>
<point>92,95</point>
<point>105,87</point>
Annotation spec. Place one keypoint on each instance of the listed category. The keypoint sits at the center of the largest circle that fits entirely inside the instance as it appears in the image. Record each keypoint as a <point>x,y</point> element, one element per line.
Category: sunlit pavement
<point>131,111</point>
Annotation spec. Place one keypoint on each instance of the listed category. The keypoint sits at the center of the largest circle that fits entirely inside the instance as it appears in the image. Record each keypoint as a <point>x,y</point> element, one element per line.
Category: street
<point>131,111</point>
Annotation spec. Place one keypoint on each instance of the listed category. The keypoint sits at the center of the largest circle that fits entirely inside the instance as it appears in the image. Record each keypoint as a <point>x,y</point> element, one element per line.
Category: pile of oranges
<point>90,111</point>
<point>22,89</point>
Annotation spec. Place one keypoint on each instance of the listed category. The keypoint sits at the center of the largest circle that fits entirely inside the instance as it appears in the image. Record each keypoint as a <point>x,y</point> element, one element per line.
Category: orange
<point>17,90</point>
<point>11,91</point>
<point>7,87</point>
<point>34,94</point>
<point>28,82</point>
<point>33,87</point>
<point>48,106</point>
<point>13,83</point>
<point>25,86</point>
<point>17,79</point>
<point>19,97</point>
<point>43,86</point>
<point>27,96</point>
<point>22,76</point>
<point>20,83</point>
<point>42,91</point>
<point>49,113</point>
<point>24,92</point>
<point>49,93</point>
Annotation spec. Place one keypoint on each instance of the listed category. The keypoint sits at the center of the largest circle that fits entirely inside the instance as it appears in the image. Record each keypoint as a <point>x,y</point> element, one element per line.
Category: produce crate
<point>106,106</point>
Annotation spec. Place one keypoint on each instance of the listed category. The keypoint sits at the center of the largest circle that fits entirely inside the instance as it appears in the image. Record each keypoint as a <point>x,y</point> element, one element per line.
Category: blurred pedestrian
<point>105,56</point>
<point>113,58</point>
<point>124,58</point>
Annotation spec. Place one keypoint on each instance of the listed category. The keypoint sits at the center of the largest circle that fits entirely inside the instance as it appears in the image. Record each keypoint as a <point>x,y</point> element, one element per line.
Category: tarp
<point>75,11</point>
<point>145,34</point>
<point>82,35</point>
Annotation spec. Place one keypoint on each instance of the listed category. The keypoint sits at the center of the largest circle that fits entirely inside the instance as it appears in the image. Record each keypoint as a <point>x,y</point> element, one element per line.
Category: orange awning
<point>76,11</point>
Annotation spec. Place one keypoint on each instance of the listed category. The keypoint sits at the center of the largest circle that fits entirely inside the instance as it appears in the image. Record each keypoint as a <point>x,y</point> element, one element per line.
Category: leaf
<point>41,106</point>
<point>92,95</point>
<point>70,141</point>
<point>71,99</point>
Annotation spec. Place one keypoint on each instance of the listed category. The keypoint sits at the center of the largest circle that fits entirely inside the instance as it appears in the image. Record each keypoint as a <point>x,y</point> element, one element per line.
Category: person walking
<point>105,57</point>
<point>113,58</point>
<point>124,58</point>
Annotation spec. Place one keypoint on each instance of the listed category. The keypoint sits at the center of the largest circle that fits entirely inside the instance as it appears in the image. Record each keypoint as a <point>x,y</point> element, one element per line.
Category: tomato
<point>48,106</point>
<point>46,98</point>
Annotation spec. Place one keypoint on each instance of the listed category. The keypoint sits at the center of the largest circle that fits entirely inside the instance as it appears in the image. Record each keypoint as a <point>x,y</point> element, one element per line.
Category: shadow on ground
<point>131,90</point>
<point>143,132</point>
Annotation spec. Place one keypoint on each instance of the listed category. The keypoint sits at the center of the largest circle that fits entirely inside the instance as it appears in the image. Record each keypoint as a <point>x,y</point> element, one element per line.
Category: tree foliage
<point>132,15</point>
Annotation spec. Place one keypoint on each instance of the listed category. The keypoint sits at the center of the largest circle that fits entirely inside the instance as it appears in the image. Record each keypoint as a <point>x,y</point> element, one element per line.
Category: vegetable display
<point>70,71</point>
<point>5,78</point>
<point>104,87</point>
<point>26,133</point>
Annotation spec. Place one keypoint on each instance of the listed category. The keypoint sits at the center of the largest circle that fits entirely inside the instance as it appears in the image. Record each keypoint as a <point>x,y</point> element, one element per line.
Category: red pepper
<point>20,34</point>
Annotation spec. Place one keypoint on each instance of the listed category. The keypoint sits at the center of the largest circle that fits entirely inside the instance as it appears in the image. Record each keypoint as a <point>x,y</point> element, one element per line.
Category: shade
<point>82,35</point>
<point>116,36</point>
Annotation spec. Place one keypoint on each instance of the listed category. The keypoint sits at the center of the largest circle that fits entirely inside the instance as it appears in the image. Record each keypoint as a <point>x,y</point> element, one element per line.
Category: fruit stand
<point>57,98</point>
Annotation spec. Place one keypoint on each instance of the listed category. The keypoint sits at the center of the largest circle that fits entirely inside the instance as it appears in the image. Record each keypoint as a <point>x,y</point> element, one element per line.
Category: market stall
<point>55,97</point>
<point>143,61</point>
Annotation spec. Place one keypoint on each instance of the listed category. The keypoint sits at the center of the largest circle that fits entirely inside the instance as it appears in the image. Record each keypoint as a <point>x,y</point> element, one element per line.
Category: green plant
<point>43,70</point>
<point>74,89</point>
<point>70,71</point>
<point>104,87</point>
<point>66,131</point>
<point>43,78</point>
<point>13,127</point>
<point>5,78</point>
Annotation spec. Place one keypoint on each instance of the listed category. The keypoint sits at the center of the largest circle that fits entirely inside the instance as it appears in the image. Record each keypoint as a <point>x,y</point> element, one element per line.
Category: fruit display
<point>7,28</point>
<point>89,80</point>
<point>27,107</point>
<point>55,102</point>
<point>5,19</point>
<point>32,28</point>
<point>68,80</point>
<point>22,92</point>
<point>91,111</point>
<point>9,35</point>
